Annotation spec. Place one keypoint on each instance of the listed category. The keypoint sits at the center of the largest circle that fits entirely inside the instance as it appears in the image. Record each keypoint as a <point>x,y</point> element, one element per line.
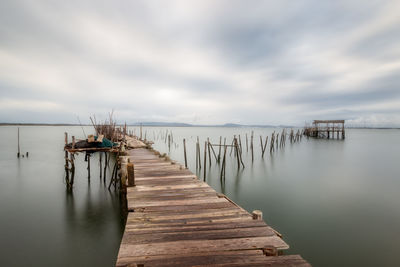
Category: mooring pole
<point>66,160</point>
<point>184,151</point>
<point>205,159</point>
<point>18,153</point>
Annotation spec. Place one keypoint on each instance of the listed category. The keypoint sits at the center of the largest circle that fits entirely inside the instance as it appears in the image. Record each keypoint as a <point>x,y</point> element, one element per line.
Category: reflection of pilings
<point>100,163</point>
<point>251,146</point>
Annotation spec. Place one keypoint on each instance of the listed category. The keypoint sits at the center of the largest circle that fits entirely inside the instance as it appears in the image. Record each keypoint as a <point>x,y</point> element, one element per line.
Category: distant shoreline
<point>182,125</point>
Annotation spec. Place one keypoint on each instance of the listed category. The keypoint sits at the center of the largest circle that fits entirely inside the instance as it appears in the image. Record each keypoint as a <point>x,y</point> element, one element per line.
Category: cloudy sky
<point>201,62</point>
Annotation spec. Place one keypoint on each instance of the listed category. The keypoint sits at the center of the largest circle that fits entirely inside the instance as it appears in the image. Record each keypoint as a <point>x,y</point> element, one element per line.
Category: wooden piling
<point>105,166</point>
<point>247,143</point>
<point>251,146</point>
<point>19,152</point>
<point>205,158</point>
<point>223,165</point>
<point>66,160</point>
<point>184,152</point>
<point>209,151</point>
<point>237,152</point>
<point>131,174</point>
<point>219,149</point>
<point>257,215</point>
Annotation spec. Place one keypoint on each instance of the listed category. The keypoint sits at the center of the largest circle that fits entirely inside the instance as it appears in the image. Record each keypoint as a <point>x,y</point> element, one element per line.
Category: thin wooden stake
<point>219,149</point>
<point>209,151</point>
<point>247,143</point>
<point>184,151</point>
<point>205,158</point>
<point>19,152</point>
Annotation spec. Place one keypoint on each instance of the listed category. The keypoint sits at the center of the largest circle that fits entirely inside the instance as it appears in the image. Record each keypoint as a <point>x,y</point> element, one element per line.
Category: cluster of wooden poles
<point>277,140</point>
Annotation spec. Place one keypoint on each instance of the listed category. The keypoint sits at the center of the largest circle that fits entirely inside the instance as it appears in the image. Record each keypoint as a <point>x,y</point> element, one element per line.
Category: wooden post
<point>262,147</point>
<point>223,166</point>
<point>237,151</point>
<point>219,149</point>
<point>72,159</point>
<point>247,143</point>
<point>66,160</point>
<point>271,147</point>
<point>184,151</point>
<point>198,150</point>
<point>277,139</point>
<point>265,145</point>
<point>343,136</point>
<point>213,151</point>
<point>19,152</point>
<point>240,146</point>
<point>251,146</point>
<point>257,214</point>
<point>105,166</point>
<point>140,131</point>
<point>209,151</point>
<point>205,158</point>
<point>131,174</point>
<point>197,156</point>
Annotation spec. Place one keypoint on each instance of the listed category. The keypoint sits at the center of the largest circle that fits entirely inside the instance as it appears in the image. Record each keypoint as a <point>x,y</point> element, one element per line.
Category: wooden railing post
<point>131,174</point>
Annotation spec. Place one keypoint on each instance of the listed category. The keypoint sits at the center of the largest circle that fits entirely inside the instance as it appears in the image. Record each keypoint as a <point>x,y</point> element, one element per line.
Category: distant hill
<point>179,124</point>
<point>171,124</point>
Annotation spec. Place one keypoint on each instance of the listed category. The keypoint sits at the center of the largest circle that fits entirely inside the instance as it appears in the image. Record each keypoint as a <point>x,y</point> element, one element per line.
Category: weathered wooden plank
<point>191,259</point>
<point>186,214</point>
<point>190,246</point>
<point>135,203</point>
<point>147,178</point>
<point>197,235</point>
<point>132,191</point>
<point>228,258</point>
<point>197,226</point>
<point>156,188</point>
<point>184,207</point>
<point>171,181</point>
<point>188,221</point>
<point>171,196</point>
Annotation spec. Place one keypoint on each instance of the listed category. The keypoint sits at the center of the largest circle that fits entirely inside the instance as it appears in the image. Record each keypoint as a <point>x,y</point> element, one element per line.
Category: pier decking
<point>177,220</point>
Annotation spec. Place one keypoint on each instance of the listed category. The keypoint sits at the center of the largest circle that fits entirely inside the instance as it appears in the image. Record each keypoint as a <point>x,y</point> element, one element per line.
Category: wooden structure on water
<point>175,219</point>
<point>326,129</point>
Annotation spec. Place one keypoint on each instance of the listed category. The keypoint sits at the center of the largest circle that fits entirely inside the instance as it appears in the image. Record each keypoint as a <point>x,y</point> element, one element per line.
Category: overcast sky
<point>201,62</point>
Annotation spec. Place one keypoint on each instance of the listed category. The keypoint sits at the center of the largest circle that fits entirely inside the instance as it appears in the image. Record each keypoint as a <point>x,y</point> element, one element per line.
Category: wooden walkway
<point>177,220</point>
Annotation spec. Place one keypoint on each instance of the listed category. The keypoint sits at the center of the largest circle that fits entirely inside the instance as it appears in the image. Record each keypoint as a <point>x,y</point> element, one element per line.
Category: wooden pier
<point>175,219</point>
<point>326,129</point>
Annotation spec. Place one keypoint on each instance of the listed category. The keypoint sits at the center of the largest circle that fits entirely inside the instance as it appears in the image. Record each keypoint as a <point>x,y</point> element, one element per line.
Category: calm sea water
<point>335,202</point>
